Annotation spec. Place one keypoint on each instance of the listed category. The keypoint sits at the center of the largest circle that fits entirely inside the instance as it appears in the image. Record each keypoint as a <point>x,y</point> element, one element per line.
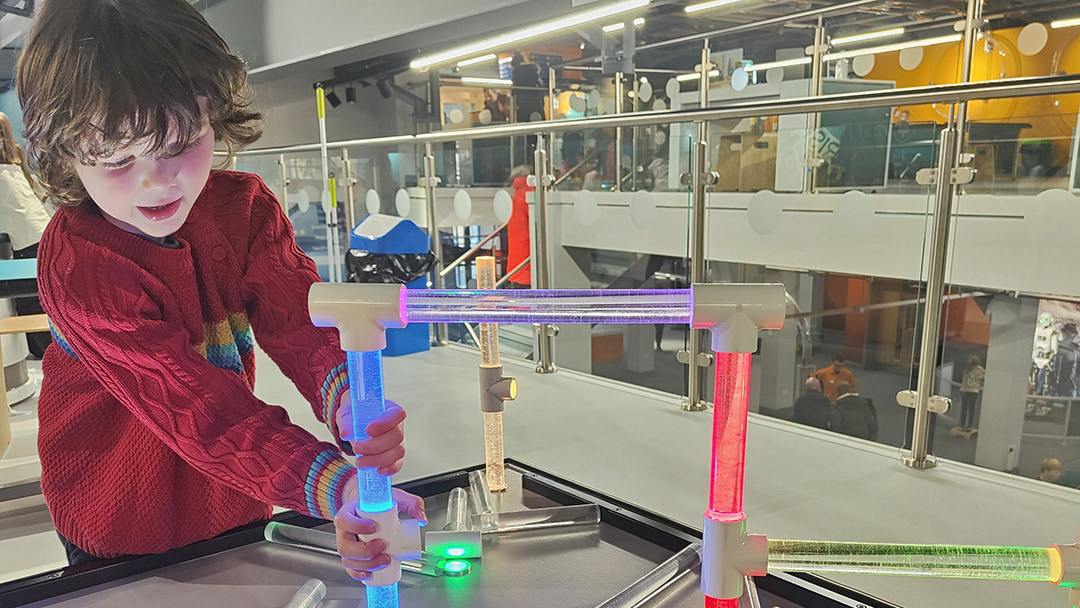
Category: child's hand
<point>383,448</point>
<point>362,558</point>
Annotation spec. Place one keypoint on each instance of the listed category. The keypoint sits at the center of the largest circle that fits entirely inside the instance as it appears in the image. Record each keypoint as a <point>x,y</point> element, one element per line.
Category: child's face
<point>146,195</point>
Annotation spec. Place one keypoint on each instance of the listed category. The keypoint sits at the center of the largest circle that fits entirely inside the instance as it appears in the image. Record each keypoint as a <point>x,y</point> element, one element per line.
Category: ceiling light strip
<point>511,38</point>
<point>891,33</point>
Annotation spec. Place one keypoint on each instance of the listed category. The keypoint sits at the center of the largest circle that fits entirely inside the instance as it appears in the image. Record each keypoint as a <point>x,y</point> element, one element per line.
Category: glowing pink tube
<point>731,405</point>
<point>651,306</point>
<point>732,402</point>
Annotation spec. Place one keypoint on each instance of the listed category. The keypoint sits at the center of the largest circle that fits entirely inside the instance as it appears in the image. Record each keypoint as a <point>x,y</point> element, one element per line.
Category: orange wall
<point>1051,117</point>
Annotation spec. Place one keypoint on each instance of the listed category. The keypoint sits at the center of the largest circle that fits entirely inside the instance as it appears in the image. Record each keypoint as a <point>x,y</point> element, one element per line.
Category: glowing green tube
<point>947,561</point>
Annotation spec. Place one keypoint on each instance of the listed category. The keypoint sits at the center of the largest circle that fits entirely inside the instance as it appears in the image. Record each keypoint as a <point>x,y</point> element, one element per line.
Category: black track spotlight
<point>334,100</point>
<point>384,88</point>
<point>350,94</point>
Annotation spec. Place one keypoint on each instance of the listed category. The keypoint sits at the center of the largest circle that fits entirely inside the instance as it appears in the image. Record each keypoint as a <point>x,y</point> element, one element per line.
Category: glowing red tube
<point>731,405</point>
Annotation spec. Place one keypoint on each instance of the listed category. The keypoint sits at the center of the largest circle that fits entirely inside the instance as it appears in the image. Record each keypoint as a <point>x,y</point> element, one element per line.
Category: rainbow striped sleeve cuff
<point>324,487</point>
<point>335,385</point>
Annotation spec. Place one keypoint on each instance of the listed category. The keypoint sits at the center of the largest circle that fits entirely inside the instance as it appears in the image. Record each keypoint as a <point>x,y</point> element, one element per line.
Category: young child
<point>156,272</point>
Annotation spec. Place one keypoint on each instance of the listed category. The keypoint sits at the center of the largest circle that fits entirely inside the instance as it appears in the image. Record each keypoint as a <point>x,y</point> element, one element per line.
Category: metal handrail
<point>468,254</point>
<point>507,276</point>
<point>946,94</point>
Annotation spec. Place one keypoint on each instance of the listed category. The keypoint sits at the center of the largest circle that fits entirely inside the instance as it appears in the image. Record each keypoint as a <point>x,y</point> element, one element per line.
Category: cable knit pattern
<point>150,437</point>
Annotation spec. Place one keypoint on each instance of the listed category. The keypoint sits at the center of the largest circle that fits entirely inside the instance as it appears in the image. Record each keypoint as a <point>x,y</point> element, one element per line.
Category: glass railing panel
<point>1009,358</point>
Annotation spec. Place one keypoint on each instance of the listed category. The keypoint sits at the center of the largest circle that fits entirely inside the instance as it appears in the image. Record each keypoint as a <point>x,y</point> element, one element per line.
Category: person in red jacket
<point>157,274</point>
<point>518,229</point>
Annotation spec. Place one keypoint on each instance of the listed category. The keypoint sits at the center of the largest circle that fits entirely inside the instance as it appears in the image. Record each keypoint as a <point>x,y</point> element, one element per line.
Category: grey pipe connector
<point>1070,564</point>
<point>495,389</point>
<point>361,312</point>
<point>728,555</point>
<point>735,312</point>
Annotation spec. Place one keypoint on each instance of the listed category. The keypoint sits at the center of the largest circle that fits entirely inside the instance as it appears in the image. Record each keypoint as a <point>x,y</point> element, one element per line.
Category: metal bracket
<point>709,178</point>
<point>435,181</point>
<point>548,181</point>
<point>958,176</point>
<point>926,177</point>
<point>938,404</point>
<point>552,330</point>
<point>703,359</point>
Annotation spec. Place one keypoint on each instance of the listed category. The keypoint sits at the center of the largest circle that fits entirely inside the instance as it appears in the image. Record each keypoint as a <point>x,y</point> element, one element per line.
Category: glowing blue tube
<point>368,403</point>
<point>366,391</point>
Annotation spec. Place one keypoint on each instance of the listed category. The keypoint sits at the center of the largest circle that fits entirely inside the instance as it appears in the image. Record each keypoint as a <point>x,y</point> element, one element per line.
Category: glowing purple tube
<point>647,306</point>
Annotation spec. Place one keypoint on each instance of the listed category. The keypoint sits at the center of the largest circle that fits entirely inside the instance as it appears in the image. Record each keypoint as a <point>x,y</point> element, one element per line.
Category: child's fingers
<point>392,417</point>
<point>384,461</point>
<point>377,444</point>
<point>411,504</point>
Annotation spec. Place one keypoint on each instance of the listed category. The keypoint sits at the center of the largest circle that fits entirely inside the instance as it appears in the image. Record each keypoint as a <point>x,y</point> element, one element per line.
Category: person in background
<point>158,274</point>
<point>517,230</point>
<point>23,218</point>
<point>970,386</point>
<point>830,377</point>
<point>528,95</point>
<point>812,408</point>
<point>857,415</point>
<point>1049,470</point>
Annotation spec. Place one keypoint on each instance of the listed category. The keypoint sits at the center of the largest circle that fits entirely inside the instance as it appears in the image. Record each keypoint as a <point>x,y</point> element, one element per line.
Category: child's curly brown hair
<point>99,75</point>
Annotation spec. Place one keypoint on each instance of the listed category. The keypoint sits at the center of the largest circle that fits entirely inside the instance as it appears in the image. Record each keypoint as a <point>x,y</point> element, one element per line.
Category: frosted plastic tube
<point>487,518</point>
<point>489,357</point>
<point>549,306</point>
<point>674,567</point>
<point>320,541</point>
<point>946,561</point>
<point>309,595</point>
<point>457,511</point>
<point>540,519</point>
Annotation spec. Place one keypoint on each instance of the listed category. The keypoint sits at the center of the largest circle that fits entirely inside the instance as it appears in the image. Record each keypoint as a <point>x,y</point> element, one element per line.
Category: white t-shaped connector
<point>735,312</point>
<point>402,542</point>
<point>361,312</point>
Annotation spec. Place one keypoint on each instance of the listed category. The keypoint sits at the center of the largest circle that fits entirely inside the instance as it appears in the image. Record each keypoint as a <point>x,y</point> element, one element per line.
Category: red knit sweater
<point>150,436</point>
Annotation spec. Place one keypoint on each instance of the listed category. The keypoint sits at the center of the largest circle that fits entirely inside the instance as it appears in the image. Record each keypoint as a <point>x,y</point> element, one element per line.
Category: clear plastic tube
<point>457,511</point>
<point>674,567</point>
<point>549,306</point>
<point>481,502</point>
<point>309,595</point>
<point>947,561</point>
<point>540,519</point>
<point>494,469</point>
<point>489,357</point>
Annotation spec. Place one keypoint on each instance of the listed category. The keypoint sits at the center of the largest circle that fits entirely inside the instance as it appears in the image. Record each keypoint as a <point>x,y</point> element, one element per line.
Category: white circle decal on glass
<point>503,205</point>
<point>643,210</point>
<point>456,116</point>
<point>672,87</point>
<point>660,138</point>
<point>855,212</point>
<point>594,99</point>
<point>485,116</point>
<point>402,202</point>
<point>774,75</point>
<point>739,79</point>
<point>577,102</point>
<point>304,201</point>
<point>536,116</point>
<point>862,65</point>
<point>1032,39</point>
<point>911,58</point>
<point>659,105</point>
<point>764,212</point>
<point>462,205</point>
<point>372,202</point>
<point>586,208</point>
<point>609,106</point>
<point>644,91</point>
